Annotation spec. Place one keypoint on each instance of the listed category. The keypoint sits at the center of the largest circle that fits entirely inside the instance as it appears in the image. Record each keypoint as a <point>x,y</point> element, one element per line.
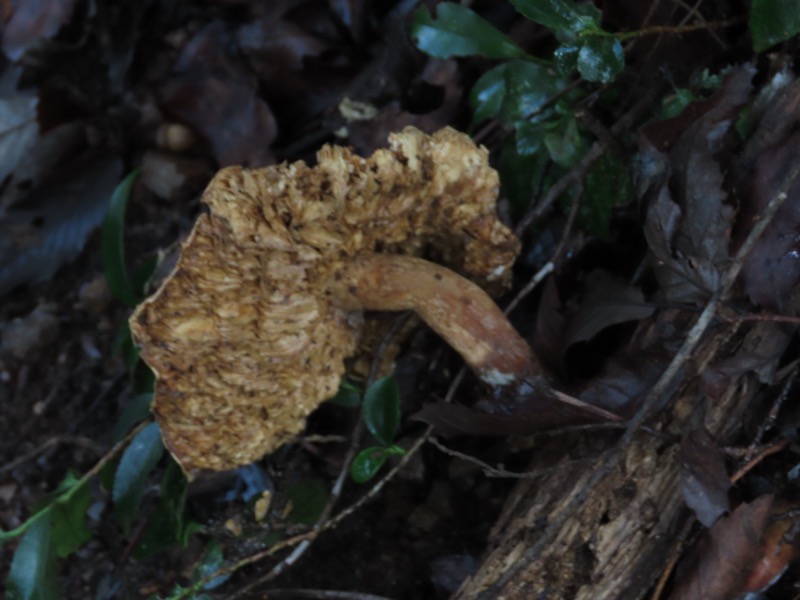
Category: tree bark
<point>617,542</point>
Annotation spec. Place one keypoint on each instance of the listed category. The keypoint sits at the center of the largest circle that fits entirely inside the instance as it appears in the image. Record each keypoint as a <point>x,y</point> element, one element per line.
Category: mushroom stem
<point>454,307</point>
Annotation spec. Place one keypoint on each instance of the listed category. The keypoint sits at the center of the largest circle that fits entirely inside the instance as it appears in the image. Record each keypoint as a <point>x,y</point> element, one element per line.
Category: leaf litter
<point>258,82</point>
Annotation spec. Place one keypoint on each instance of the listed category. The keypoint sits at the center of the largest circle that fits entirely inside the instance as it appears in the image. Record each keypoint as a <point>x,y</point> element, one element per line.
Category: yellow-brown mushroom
<point>250,331</point>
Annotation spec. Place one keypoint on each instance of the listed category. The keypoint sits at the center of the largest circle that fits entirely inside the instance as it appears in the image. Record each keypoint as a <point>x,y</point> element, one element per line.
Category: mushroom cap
<point>242,336</point>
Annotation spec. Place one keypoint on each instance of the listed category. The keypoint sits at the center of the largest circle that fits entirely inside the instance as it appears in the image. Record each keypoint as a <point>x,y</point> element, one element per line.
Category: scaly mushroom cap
<point>242,336</point>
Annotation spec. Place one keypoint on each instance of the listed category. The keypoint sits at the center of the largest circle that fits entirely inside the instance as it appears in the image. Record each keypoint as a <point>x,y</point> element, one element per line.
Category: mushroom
<point>249,333</point>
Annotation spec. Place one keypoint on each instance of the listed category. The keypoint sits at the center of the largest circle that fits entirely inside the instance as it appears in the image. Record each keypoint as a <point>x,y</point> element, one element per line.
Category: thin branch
<point>501,472</point>
<point>53,441</point>
<point>338,486</point>
<point>678,29</point>
<point>612,456</point>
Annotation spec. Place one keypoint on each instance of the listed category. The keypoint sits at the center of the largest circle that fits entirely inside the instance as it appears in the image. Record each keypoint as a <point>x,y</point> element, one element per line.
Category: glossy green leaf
<point>212,561</point>
<point>135,410</point>
<point>773,22</point>
<point>600,59</point>
<point>33,569</point>
<point>556,14</point>
<point>113,244</point>
<point>139,458</point>
<point>459,31</point>
<point>566,58</point>
<point>369,461</point>
<point>565,144</point>
<point>382,409</point>
<point>488,93</point>
<point>308,500</point>
<point>515,91</point>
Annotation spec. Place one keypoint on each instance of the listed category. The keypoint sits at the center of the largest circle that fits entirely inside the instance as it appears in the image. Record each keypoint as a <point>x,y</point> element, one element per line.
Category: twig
<point>762,454</point>
<point>338,486</point>
<point>501,472</point>
<point>678,29</point>
<point>582,168</point>
<point>53,441</point>
<point>612,456</point>
<point>773,413</point>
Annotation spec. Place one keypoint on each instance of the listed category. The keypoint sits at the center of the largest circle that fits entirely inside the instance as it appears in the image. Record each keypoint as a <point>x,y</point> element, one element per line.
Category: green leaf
<point>566,57</point>
<point>486,96</point>
<point>608,185</point>
<point>515,91</point>
<point>519,173</point>
<point>166,524</point>
<point>68,521</point>
<point>459,31</point>
<point>113,244</point>
<point>773,22</point>
<point>33,570</point>
<point>308,499</point>
<point>139,458</point>
<point>556,14</point>
<point>348,395</point>
<point>382,409</point>
<point>565,145</point>
<point>600,59</point>
<point>367,463</point>
<point>673,105</point>
<point>137,409</point>
<point>211,562</point>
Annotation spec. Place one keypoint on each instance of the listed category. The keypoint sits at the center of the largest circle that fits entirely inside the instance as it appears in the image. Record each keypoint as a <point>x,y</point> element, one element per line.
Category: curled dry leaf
<point>250,331</point>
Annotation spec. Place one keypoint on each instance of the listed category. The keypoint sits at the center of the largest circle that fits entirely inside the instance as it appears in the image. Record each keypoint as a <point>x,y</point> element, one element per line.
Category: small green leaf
<point>33,570</point>
<point>211,562</point>
<point>308,500</point>
<point>556,14</point>
<point>600,59</point>
<point>459,31</point>
<point>348,395</point>
<point>113,244</point>
<point>137,409</point>
<point>382,409</point>
<point>773,22</point>
<point>139,458</point>
<point>367,463</point>
<point>673,105</point>
<point>565,145</point>
<point>566,57</point>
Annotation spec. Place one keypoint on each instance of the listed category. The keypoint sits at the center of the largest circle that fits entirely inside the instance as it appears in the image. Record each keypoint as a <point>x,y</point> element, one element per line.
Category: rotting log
<point>617,542</point>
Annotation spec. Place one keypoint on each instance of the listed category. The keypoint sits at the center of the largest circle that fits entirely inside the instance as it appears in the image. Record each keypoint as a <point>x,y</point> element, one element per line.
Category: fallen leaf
<point>50,226</point>
<point>608,301</point>
<point>689,216</point>
<point>32,21</point>
<point>704,478</point>
<point>212,92</point>
<point>725,556</point>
